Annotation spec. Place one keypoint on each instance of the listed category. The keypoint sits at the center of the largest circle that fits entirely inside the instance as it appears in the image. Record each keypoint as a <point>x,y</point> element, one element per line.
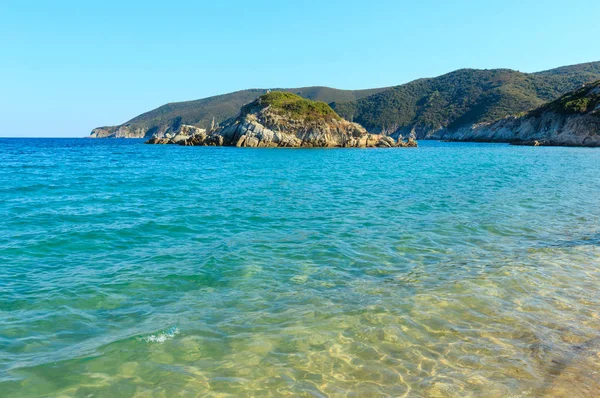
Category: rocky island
<point>571,120</point>
<point>282,119</point>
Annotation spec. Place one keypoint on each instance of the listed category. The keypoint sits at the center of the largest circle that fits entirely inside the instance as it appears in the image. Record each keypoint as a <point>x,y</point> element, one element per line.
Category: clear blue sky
<point>69,66</point>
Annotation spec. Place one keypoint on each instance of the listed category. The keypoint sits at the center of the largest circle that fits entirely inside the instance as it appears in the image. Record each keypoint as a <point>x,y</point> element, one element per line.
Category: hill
<point>429,107</point>
<point>168,118</point>
<point>425,107</point>
<point>571,120</point>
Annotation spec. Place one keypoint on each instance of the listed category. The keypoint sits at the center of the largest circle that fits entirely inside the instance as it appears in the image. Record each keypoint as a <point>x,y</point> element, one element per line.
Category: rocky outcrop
<point>293,122</point>
<point>185,133</point>
<point>138,130</point>
<point>572,120</point>
<point>123,131</point>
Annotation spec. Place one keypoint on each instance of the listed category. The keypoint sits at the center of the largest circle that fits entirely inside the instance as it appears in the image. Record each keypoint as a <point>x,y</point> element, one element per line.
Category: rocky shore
<point>572,120</point>
<point>549,129</point>
<point>284,120</point>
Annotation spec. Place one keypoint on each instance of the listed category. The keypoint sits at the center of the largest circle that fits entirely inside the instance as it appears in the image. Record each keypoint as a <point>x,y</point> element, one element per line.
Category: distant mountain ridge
<point>423,108</point>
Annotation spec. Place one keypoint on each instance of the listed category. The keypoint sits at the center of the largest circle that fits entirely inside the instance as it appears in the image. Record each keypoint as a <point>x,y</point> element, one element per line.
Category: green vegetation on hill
<point>584,100</point>
<point>294,106</point>
<point>463,97</point>
<point>458,98</point>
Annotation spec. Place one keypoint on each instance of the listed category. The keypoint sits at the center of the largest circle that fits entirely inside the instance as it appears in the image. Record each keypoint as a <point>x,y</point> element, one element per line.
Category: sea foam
<point>163,336</point>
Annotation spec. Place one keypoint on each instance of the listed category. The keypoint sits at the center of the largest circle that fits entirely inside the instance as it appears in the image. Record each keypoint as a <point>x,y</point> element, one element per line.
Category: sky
<point>70,66</point>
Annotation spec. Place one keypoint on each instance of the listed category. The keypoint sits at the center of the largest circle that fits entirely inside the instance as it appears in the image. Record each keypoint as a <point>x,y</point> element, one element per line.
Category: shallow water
<point>451,270</point>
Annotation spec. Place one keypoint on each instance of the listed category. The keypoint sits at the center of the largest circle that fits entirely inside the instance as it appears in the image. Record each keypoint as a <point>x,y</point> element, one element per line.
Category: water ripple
<point>450,270</point>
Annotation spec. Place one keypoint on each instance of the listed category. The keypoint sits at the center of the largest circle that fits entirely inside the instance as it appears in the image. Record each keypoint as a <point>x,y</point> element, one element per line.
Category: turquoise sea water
<point>450,270</point>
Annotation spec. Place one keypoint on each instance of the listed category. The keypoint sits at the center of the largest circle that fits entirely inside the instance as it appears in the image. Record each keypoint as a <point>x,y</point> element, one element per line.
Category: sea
<point>448,270</point>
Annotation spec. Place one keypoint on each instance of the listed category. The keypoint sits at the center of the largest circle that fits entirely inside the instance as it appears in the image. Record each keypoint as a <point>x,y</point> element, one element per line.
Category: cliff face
<point>571,120</point>
<point>118,132</point>
<point>548,129</point>
<point>284,120</point>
